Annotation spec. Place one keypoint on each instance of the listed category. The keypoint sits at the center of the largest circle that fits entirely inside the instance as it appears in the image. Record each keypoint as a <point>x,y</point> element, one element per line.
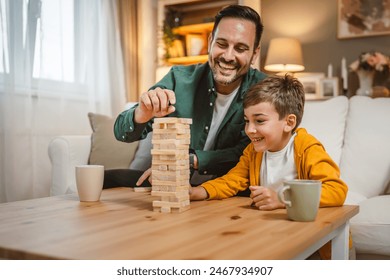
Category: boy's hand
<point>198,193</point>
<point>265,198</point>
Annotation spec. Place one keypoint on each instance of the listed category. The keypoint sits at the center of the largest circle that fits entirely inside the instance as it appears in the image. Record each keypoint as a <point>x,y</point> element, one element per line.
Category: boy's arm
<point>198,193</point>
<point>237,179</point>
<point>320,166</point>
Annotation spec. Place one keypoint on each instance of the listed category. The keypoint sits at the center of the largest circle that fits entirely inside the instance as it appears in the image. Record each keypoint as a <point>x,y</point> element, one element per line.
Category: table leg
<point>340,243</point>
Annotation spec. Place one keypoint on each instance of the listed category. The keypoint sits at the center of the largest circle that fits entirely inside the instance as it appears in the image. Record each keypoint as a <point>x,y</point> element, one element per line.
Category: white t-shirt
<point>221,106</point>
<point>277,167</point>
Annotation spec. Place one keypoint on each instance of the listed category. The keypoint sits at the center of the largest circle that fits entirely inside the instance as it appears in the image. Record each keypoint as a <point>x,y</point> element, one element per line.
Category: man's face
<point>231,52</point>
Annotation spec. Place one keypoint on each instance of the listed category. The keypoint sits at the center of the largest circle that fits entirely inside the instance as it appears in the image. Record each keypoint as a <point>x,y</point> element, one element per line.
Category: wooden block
<point>170,146</point>
<point>176,183</point>
<point>158,203</point>
<point>172,165</point>
<point>178,194</point>
<point>172,178</point>
<point>168,152</point>
<point>171,141</point>
<point>159,188</point>
<point>173,120</point>
<point>142,189</point>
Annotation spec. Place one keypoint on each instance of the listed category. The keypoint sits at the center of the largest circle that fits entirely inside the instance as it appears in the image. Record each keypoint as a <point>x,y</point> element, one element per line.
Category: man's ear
<point>291,121</point>
<point>209,41</point>
<point>255,55</point>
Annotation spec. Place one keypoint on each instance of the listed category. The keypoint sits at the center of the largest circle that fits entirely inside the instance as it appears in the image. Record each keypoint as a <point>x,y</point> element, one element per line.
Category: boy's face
<point>265,130</point>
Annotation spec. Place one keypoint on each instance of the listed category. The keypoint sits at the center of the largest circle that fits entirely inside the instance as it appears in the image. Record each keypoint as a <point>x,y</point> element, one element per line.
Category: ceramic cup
<point>302,199</point>
<point>89,181</point>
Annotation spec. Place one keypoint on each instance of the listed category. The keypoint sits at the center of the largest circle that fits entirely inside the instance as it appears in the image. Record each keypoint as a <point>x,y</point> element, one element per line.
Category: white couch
<point>355,132</point>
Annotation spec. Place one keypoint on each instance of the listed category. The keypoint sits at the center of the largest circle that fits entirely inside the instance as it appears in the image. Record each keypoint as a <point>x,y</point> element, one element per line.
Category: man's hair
<point>285,93</point>
<point>241,12</point>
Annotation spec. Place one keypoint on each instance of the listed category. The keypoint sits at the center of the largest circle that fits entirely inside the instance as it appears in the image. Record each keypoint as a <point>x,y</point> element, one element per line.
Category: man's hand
<point>265,198</point>
<point>155,103</point>
<point>145,176</point>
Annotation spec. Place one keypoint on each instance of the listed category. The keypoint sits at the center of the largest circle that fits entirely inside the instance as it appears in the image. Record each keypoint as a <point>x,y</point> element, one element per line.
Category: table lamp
<point>284,55</point>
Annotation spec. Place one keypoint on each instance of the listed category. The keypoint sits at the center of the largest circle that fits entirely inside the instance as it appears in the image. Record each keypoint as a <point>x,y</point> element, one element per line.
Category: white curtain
<point>60,59</point>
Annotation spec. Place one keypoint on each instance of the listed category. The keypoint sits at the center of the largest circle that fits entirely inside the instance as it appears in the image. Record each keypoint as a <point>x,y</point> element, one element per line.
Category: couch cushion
<point>365,161</point>
<point>371,227</point>
<point>325,120</point>
<point>143,157</point>
<point>105,149</point>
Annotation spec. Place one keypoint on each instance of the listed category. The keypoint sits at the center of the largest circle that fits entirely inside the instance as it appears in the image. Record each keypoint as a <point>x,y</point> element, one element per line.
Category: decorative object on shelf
<point>284,55</point>
<point>366,66</point>
<point>362,18</point>
<point>196,44</point>
<point>344,75</point>
<point>311,83</point>
<point>329,87</point>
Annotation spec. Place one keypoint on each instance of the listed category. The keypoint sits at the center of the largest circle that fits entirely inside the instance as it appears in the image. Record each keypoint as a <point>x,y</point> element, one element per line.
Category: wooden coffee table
<point>123,226</point>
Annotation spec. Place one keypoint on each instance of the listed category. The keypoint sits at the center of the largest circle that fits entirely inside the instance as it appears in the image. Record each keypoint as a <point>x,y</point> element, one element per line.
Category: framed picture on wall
<point>329,87</point>
<point>360,18</point>
<point>311,83</point>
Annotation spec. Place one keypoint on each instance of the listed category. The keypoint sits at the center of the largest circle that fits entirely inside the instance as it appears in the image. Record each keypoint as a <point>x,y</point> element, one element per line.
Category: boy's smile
<point>264,128</point>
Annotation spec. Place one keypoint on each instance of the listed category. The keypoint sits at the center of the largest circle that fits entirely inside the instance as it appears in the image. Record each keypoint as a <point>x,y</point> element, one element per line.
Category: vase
<point>366,80</point>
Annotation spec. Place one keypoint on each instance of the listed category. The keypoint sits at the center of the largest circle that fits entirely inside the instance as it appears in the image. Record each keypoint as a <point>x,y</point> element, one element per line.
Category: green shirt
<point>195,97</point>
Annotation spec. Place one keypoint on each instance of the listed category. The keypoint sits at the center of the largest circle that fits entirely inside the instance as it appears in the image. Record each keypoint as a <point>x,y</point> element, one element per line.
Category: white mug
<point>89,181</point>
<point>302,199</point>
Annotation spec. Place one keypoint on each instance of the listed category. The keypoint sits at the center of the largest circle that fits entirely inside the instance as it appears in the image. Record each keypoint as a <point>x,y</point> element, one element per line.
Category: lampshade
<point>284,55</point>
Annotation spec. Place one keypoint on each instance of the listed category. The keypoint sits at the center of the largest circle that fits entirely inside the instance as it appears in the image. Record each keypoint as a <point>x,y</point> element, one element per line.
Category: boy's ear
<point>291,121</point>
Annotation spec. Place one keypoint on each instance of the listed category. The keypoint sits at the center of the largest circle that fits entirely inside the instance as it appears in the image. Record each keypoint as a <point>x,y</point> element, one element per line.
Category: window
<point>39,42</point>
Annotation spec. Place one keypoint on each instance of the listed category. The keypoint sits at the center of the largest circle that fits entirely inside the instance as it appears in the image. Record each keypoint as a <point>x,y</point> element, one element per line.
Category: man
<point>210,94</point>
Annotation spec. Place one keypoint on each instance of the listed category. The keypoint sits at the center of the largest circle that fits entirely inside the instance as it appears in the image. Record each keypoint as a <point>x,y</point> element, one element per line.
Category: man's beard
<point>219,78</point>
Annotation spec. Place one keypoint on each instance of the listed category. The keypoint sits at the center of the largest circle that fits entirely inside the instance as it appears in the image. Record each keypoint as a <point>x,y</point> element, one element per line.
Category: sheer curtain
<point>59,60</point>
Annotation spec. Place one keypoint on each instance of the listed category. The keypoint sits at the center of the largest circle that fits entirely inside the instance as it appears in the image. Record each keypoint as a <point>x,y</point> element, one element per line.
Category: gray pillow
<point>105,149</point>
<point>143,158</point>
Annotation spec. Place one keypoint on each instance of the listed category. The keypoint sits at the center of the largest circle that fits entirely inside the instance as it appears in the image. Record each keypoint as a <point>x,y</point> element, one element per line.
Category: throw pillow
<point>105,149</point>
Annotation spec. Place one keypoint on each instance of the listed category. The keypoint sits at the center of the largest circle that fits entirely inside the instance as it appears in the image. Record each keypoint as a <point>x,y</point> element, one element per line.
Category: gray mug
<point>302,199</point>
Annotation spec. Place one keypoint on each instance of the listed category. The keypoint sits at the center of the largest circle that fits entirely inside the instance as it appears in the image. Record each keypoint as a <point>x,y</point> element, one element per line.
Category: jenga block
<point>169,178</point>
<point>171,141</point>
<point>177,194</point>
<point>169,188</point>
<point>173,120</point>
<point>170,173</point>
<point>142,189</point>
<point>172,165</point>
<point>158,203</point>
<point>170,146</point>
<point>168,152</point>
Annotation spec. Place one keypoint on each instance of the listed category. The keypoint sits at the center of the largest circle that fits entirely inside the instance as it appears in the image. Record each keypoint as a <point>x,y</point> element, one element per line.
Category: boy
<point>279,151</point>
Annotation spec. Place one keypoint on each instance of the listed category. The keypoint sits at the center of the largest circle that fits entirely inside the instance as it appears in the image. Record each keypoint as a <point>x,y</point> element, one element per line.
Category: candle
<point>344,73</point>
<point>330,70</point>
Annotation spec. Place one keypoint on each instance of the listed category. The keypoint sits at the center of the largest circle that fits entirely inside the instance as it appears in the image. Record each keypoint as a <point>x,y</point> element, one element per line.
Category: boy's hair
<point>285,93</point>
<point>241,12</point>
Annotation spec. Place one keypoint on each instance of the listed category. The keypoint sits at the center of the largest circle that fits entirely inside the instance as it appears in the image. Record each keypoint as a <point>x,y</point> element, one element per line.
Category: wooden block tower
<point>170,164</point>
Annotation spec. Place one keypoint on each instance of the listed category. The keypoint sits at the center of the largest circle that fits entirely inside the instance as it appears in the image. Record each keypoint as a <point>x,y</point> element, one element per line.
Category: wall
<point>314,23</point>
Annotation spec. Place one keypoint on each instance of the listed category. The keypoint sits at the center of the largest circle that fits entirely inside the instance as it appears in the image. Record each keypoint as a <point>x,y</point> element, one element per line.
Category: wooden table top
<point>123,226</point>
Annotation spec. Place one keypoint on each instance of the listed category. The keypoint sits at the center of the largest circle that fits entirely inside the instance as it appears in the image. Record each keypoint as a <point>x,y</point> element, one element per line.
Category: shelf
<point>188,60</point>
<point>199,28</point>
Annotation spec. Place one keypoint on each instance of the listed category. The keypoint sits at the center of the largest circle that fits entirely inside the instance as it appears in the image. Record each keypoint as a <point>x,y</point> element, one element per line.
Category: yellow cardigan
<point>311,161</point>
